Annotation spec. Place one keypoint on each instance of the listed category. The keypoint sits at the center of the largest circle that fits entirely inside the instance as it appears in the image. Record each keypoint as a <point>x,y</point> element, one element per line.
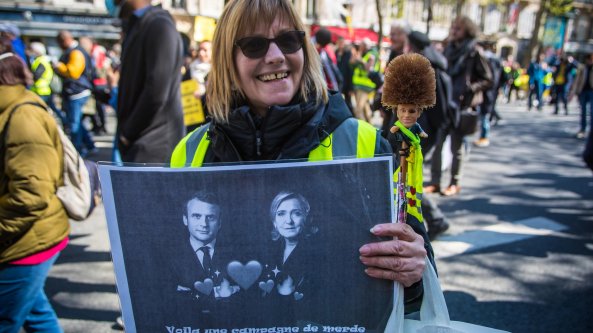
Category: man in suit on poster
<point>197,291</point>
<point>205,277</point>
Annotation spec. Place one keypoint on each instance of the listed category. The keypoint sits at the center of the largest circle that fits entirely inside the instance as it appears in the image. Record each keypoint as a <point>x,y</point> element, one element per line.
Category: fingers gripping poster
<point>249,249</point>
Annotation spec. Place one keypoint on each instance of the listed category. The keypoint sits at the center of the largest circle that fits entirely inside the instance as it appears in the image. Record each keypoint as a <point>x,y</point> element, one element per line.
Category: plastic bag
<point>434,315</point>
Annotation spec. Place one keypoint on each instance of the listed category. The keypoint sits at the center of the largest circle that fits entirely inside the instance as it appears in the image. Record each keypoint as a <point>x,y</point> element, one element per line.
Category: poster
<point>193,113</point>
<point>554,30</point>
<point>257,248</point>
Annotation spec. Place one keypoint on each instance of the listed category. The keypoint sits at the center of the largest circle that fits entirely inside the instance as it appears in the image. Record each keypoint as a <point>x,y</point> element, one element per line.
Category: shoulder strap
<point>5,129</point>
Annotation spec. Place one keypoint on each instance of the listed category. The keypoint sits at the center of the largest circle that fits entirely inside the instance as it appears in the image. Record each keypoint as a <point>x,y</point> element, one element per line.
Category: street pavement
<point>518,255</point>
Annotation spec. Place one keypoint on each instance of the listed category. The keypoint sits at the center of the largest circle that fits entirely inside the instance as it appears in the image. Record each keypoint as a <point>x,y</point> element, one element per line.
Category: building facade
<point>509,23</point>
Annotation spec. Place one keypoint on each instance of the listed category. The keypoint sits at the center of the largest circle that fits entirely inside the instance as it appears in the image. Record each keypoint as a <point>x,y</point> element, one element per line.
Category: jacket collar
<point>287,132</point>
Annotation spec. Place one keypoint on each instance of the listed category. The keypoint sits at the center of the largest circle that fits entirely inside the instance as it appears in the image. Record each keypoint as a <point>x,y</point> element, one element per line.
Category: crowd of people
<point>68,83</point>
<point>263,83</point>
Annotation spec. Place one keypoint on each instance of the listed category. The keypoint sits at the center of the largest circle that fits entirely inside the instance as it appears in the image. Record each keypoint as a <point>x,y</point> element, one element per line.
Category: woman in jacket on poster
<point>33,223</point>
<point>269,101</point>
<point>471,76</point>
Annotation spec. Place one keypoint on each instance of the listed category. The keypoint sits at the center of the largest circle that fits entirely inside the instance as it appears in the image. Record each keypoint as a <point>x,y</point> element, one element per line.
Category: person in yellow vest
<point>43,74</point>
<point>366,64</point>
<point>562,72</point>
<point>269,101</point>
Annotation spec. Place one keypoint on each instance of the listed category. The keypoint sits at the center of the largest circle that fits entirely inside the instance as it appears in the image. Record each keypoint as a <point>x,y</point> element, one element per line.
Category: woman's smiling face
<point>273,79</point>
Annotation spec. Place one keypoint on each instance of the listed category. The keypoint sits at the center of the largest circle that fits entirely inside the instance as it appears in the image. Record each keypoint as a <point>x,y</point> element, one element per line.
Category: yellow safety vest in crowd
<point>41,86</point>
<point>360,77</point>
<point>191,150</point>
<point>561,76</point>
<point>549,79</point>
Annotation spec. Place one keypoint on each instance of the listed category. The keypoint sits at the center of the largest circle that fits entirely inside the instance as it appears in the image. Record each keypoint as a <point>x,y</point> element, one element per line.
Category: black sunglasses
<point>256,47</point>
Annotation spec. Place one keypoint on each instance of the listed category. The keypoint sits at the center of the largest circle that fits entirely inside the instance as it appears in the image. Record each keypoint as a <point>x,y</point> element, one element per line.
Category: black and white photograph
<point>249,248</point>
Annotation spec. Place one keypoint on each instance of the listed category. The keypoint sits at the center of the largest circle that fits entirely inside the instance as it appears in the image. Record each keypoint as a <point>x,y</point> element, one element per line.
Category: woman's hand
<point>400,259</point>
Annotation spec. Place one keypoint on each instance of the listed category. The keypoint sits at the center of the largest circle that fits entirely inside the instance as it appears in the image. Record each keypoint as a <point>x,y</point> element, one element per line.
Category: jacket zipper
<point>258,142</point>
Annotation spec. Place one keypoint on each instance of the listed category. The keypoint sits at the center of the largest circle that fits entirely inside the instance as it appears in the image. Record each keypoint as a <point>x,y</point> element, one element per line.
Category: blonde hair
<point>239,18</point>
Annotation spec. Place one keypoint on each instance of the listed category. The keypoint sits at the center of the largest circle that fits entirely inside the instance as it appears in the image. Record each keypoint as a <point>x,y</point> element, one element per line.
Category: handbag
<point>78,194</point>
<point>468,122</point>
<point>434,316</point>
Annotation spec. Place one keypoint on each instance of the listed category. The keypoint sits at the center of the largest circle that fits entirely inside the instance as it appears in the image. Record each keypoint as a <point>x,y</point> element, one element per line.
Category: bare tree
<point>546,7</point>
<point>378,4</point>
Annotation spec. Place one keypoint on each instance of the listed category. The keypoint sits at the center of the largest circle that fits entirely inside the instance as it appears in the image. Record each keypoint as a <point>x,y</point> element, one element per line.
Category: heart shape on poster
<point>266,286</point>
<point>244,275</point>
<point>298,296</point>
<point>204,287</point>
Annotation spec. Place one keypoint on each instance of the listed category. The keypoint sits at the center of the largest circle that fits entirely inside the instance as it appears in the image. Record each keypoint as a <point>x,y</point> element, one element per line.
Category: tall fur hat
<point>409,79</point>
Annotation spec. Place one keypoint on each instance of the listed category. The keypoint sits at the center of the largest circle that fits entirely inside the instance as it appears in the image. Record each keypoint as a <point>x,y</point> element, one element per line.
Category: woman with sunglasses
<point>269,101</point>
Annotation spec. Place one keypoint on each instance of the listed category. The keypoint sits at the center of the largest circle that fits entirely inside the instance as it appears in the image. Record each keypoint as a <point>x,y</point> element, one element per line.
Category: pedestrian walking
<point>98,56</point>
<point>33,223</point>
<point>149,112</point>
<point>536,72</point>
<point>200,66</point>
<point>13,33</point>
<point>75,69</point>
<point>343,56</point>
<point>561,74</point>
<point>583,88</point>
<point>471,76</point>
<point>367,65</point>
<point>43,74</point>
<point>514,82</point>
<point>488,106</point>
<point>329,62</point>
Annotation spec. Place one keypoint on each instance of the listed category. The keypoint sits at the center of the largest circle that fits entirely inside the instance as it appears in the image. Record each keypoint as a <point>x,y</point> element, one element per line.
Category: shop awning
<point>351,34</point>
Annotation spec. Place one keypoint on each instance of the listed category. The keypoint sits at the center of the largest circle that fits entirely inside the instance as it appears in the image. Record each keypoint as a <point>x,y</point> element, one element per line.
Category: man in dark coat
<point>150,117</point>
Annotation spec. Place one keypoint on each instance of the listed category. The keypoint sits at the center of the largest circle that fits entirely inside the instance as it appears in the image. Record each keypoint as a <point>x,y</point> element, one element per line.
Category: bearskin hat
<point>409,79</point>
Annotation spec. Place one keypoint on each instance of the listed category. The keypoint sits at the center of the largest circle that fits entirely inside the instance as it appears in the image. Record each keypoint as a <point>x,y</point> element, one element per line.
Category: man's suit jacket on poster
<point>192,271</point>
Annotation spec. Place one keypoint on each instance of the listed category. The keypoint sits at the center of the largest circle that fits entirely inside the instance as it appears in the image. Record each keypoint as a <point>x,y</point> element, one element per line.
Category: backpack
<point>333,76</point>
<point>81,190</point>
<point>55,84</point>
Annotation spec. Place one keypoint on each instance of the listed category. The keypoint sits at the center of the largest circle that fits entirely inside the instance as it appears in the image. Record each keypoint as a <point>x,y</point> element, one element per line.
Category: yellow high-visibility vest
<point>360,77</point>
<point>41,86</point>
<point>191,150</point>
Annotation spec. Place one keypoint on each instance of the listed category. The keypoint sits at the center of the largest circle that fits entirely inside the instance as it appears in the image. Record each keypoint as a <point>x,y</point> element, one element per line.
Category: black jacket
<point>469,72</point>
<point>149,101</point>
<point>287,132</point>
